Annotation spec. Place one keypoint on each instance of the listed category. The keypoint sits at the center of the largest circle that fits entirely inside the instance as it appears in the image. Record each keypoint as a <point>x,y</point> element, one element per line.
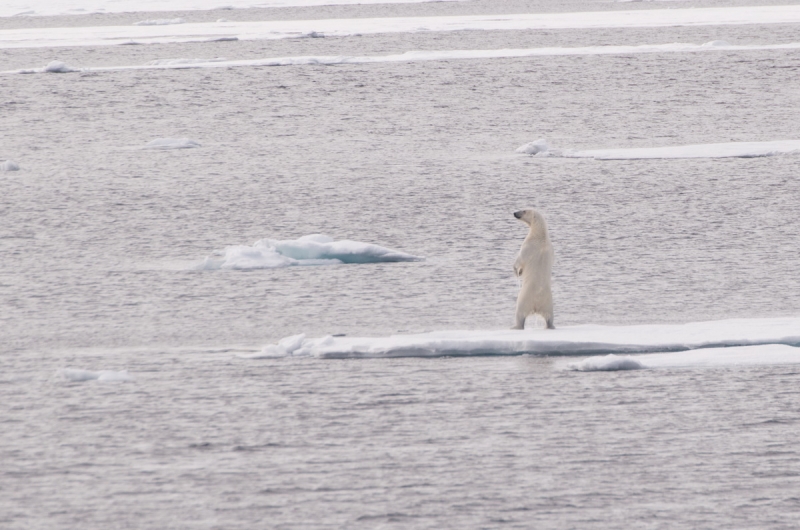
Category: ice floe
<point>58,67</point>
<point>717,150</point>
<point>532,148</point>
<point>160,22</point>
<point>172,143</point>
<point>314,249</point>
<point>75,7</point>
<point>576,340</point>
<point>432,55</point>
<point>77,375</point>
<point>607,363</point>
<point>9,165</point>
<point>281,29</point>
<point>765,354</point>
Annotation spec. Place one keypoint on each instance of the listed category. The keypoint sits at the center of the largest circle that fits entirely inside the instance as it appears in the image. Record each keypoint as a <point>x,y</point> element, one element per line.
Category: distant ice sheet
<point>725,150</point>
<point>577,340</point>
<point>74,374</point>
<point>10,8</point>
<point>160,22</point>
<point>281,29</point>
<point>315,249</point>
<point>765,354</point>
<point>720,150</point>
<point>433,55</point>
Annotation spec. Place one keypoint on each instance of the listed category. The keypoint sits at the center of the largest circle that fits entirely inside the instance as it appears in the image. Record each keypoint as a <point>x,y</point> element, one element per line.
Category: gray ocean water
<point>98,238</point>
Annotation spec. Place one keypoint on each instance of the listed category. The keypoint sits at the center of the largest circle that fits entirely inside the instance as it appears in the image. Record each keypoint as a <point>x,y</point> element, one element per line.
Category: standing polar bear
<point>534,265</point>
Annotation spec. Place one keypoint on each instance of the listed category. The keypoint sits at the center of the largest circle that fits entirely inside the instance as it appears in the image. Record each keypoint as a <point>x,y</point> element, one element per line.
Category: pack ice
<point>540,148</point>
<point>314,249</point>
<point>576,340</point>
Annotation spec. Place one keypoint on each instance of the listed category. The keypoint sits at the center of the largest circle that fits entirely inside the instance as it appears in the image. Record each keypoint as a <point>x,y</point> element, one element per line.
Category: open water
<point>98,238</point>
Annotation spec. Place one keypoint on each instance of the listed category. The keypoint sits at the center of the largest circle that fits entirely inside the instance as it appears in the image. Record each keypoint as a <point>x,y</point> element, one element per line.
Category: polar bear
<point>534,265</point>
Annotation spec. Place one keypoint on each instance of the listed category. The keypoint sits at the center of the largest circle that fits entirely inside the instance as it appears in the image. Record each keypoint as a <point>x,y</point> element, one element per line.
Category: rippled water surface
<point>99,237</point>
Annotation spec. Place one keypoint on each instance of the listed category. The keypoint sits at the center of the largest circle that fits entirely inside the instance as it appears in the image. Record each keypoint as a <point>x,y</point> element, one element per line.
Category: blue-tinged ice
<point>314,249</point>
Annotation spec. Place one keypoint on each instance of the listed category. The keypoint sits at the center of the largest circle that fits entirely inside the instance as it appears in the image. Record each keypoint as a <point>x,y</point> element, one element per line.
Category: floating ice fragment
<point>533,148</point>
<point>9,165</point>
<point>609,363</point>
<point>716,43</point>
<point>172,143</point>
<point>160,22</point>
<point>720,150</point>
<point>577,340</point>
<point>74,374</point>
<point>284,347</point>
<point>178,62</point>
<point>314,249</point>
<point>57,67</point>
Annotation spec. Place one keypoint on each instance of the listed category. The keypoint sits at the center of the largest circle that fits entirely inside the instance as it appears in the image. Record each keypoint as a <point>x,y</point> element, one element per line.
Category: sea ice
<point>765,354</point>
<point>172,143</point>
<point>576,340</point>
<point>532,148</point>
<point>9,165</point>
<point>282,29</point>
<point>160,22</point>
<point>720,150</point>
<point>70,7</point>
<point>74,374</point>
<point>608,363</point>
<point>57,67</point>
<point>429,55</point>
<point>315,249</point>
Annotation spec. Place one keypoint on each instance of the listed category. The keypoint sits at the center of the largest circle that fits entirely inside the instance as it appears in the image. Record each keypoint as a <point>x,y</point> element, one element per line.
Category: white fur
<point>533,267</point>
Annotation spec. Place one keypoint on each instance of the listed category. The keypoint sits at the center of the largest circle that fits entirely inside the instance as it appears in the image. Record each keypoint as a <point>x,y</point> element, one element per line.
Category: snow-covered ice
<point>183,62</point>
<point>607,363</point>
<point>432,55</point>
<point>9,165</point>
<point>314,249</point>
<point>532,148</point>
<point>576,340</point>
<point>75,374</point>
<point>281,29</point>
<point>10,8</point>
<point>172,143</point>
<point>58,67</point>
<point>720,150</point>
<point>160,22</point>
<point>765,354</point>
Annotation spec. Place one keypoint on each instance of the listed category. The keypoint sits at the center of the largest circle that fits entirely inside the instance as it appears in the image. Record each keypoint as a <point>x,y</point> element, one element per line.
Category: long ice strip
<point>279,29</point>
<point>576,340</point>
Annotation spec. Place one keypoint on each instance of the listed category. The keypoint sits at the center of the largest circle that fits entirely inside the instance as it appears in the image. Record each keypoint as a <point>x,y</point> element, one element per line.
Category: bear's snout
<point>518,214</point>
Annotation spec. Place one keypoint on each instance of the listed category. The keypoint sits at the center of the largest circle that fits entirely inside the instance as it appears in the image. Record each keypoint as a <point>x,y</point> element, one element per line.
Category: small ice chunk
<point>715,43</point>
<point>172,143</point>
<point>608,363</point>
<point>178,62</point>
<point>160,22</point>
<point>77,375</point>
<point>533,148</point>
<point>222,20</point>
<point>58,67</point>
<point>314,249</point>
<point>285,347</point>
<point>9,165</point>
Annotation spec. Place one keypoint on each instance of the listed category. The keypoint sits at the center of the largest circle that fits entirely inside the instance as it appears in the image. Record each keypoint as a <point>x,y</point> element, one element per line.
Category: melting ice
<point>315,249</point>
<point>574,341</point>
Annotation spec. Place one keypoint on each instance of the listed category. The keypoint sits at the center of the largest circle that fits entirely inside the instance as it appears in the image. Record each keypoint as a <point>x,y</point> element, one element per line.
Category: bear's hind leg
<point>519,321</point>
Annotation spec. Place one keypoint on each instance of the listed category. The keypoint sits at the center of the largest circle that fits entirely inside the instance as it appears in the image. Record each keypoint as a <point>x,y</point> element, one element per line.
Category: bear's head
<point>530,217</point>
<point>533,219</point>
